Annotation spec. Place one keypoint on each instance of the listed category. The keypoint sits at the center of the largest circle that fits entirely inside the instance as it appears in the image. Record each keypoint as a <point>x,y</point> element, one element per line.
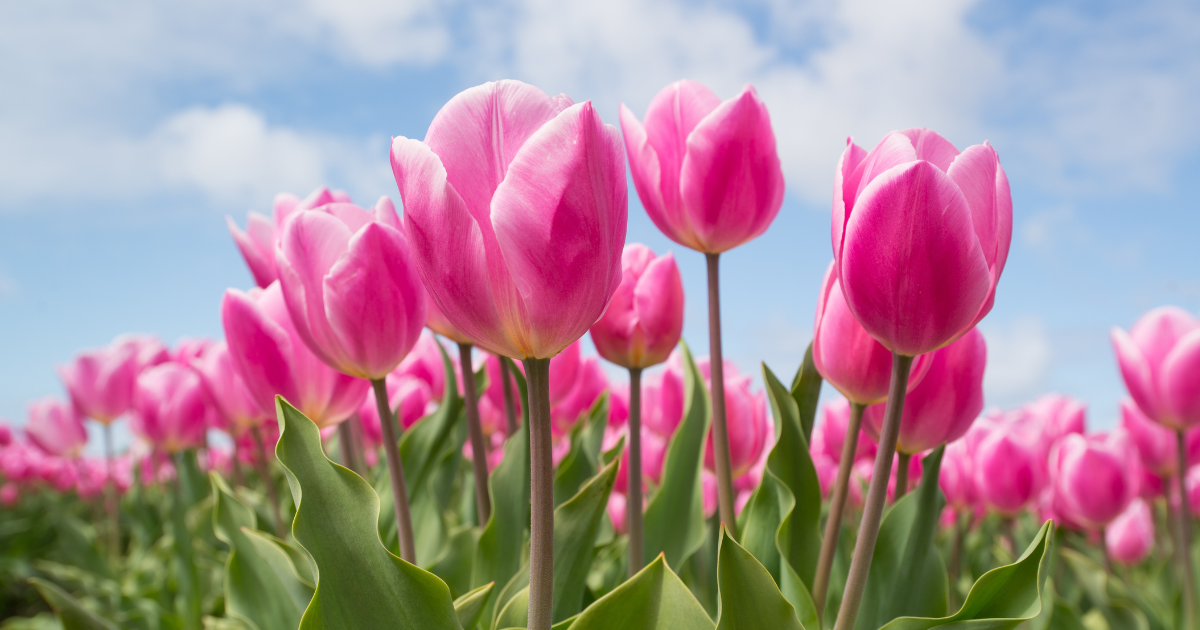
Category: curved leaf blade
<point>576,524</point>
<point>469,607</point>
<point>749,599</point>
<point>654,599</point>
<point>72,614</point>
<point>806,389</point>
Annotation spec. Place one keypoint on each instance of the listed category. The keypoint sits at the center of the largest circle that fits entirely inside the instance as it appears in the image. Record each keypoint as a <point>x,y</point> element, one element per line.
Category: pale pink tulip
<point>55,427</point>
<point>228,394</point>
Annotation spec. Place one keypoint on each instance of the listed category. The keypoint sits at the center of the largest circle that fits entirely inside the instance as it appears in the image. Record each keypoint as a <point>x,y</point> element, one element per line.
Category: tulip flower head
<point>257,243</point>
<point>920,236</point>
<point>101,381</point>
<point>55,427</point>
<point>228,393</point>
<point>515,207</point>
<point>749,426</point>
<point>707,171</point>
<point>1155,443</point>
<point>829,435</point>
<point>1008,474</point>
<point>645,317</point>
<point>1160,362</point>
<point>170,408</point>
<point>1129,538</point>
<point>1095,477</point>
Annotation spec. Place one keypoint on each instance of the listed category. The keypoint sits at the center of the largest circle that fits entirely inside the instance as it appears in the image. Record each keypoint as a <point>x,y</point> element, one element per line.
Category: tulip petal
<point>375,301</point>
<point>446,245</point>
<point>1157,332</point>
<point>1181,381</point>
<point>260,349</point>
<point>560,219</point>
<point>479,132</point>
<point>312,244</point>
<point>658,303</point>
<point>1136,372</point>
<point>256,245</point>
<point>895,149</point>
<point>912,270</point>
<point>385,213</point>
<point>845,188</point>
<point>931,147</point>
<point>731,182</point>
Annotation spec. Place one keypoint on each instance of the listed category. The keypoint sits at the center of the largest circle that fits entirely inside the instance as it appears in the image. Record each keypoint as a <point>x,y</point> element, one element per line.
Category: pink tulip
<point>827,471</point>
<point>1129,538</point>
<point>10,493</point>
<point>616,511</point>
<point>1008,474</point>
<point>590,383</point>
<point>654,451</point>
<point>409,399</point>
<point>424,362</point>
<point>957,476</point>
<point>943,405</point>
<point>350,287</point>
<point>564,371</point>
<point>189,349</point>
<point>845,355</point>
<point>749,426</point>
<point>101,381</point>
<point>148,350</point>
<point>1095,477</point>
<point>829,435</point>
<point>55,427</point>
<point>228,394</point>
<point>645,318</point>
<point>516,207</point>
<point>1160,361</point>
<point>1059,415</point>
<point>492,413</point>
<point>170,408</point>
<point>6,437</point>
<point>706,171</point>
<point>258,242</point>
<point>273,359</point>
<point>1192,488</point>
<point>920,237</point>
<point>662,401</point>
<point>1156,444</point>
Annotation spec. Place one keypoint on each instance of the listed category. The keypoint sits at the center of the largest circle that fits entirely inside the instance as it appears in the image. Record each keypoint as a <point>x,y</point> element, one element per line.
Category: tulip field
<point>405,425</point>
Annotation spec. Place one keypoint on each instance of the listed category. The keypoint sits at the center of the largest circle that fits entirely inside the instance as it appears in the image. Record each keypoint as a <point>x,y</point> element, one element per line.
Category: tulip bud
<point>707,171</point>
<point>746,418</point>
<point>101,381</point>
<point>170,408</point>
<point>1008,475</point>
<point>645,317</point>
<point>55,427</point>
<point>227,392</point>
<point>1160,362</point>
<point>1129,538</point>
<point>920,236</point>
<point>1095,477</point>
<point>957,476</point>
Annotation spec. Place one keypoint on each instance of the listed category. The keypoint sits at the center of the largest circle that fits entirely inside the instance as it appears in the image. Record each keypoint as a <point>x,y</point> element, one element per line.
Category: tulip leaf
<point>1108,595</point>
<point>654,599</point>
<point>806,390</point>
<point>515,613</point>
<point>518,583</point>
<point>574,469</point>
<point>500,551</point>
<point>576,524</point>
<point>262,585</point>
<point>597,422</point>
<point>457,561</point>
<point>359,583</point>
<point>1002,598</point>
<point>70,612</point>
<point>469,607</point>
<point>748,596</point>
<point>907,577</point>
<point>673,523</point>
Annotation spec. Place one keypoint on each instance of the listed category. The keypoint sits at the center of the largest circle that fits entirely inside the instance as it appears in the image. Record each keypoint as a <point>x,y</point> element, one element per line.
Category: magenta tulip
<point>1008,472</point>
<point>257,243</point>
<point>943,405</point>
<point>829,435</point>
<point>1160,361</point>
<point>920,236</point>
<point>273,359</point>
<point>425,362</point>
<point>1155,443</point>
<point>55,427</point>
<point>170,408</point>
<point>519,242</point>
<point>645,318</point>
<point>749,426</point>
<point>1095,477</point>
<point>957,476</point>
<point>1129,538</point>
<point>590,383</point>
<point>6,437</point>
<point>1192,488</point>
<point>408,397</point>
<point>148,350</point>
<point>228,394</point>
<point>101,382</point>
<point>707,171</point>
<point>662,402</point>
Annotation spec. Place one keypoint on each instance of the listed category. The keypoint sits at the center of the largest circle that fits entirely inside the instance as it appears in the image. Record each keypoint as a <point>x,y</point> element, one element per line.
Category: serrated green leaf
<point>1002,598</point>
<point>576,523</point>
<point>749,598</point>
<point>673,523</point>
<point>72,614</point>
<point>907,577</point>
<point>654,599</point>
<point>359,583</point>
<point>806,390</point>
<point>258,587</point>
<point>469,607</point>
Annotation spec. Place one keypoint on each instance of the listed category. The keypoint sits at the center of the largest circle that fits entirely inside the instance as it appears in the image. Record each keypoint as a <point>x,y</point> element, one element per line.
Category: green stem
<point>902,475</point>
<point>868,532</point>
<point>720,430</point>
<point>541,522</point>
<point>837,505</point>
<point>391,447</point>
<point>633,507</point>
<point>483,502</point>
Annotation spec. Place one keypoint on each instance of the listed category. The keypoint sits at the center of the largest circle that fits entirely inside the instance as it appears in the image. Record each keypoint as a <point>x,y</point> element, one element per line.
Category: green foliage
<point>654,599</point>
<point>70,612</point>
<point>806,390</point>
<point>749,598</point>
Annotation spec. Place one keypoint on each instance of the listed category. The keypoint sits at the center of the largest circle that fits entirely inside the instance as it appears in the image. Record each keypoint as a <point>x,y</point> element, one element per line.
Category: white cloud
<point>384,32</point>
<point>1019,356</point>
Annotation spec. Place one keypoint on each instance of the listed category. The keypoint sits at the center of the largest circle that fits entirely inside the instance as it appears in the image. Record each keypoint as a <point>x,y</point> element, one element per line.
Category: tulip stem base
<point>720,430</point>
<point>633,507</point>
<point>510,406</point>
<point>111,503</point>
<point>483,501</point>
<point>391,448</point>
<point>837,506</point>
<point>902,464</point>
<point>541,495</point>
<point>868,531</point>
<point>1185,539</point>
<point>264,474</point>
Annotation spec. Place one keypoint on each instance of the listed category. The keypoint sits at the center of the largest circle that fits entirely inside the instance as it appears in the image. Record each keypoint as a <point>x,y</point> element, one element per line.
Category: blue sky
<point>128,129</point>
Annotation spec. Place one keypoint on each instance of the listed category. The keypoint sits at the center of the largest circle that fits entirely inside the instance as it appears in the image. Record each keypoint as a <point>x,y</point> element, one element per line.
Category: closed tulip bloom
<point>707,171</point>
<point>662,401</point>
<point>518,240</point>
<point>170,408</point>
<point>654,451</point>
<point>920,236</point>
<point>846,355</point>
<point>274,360</point>
<point>55,427</point>
<point>148,350</point>
<point>1008,475</point>
<point>101,381</point>
<point>957,475</point>
<point>350,287</point>
<point>1130,537</point>
<point>1160,361</point>
<point>749,426</point>
<point>1059,415</point>
<point>590,383</point>
<point>424,362</point>
<point>645,318</point>
<point>829,435</point>
<point>1095,477</point>
<point>948,399</point>
<point>257,243</point>
<point>564,372</point>
<point>1155,443</point>
<point>228,394</point>
<point>189,349</point>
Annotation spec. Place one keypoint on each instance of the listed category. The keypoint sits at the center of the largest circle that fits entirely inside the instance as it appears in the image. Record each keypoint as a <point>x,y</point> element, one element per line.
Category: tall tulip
<point>920,236</point>
<point>170,408</point>
<point>708,174</point>
<point>1129,538</point>
<point>1160,361</point>
<point>356,301</point>
<point>55,427</point>
<point>516,208</point>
